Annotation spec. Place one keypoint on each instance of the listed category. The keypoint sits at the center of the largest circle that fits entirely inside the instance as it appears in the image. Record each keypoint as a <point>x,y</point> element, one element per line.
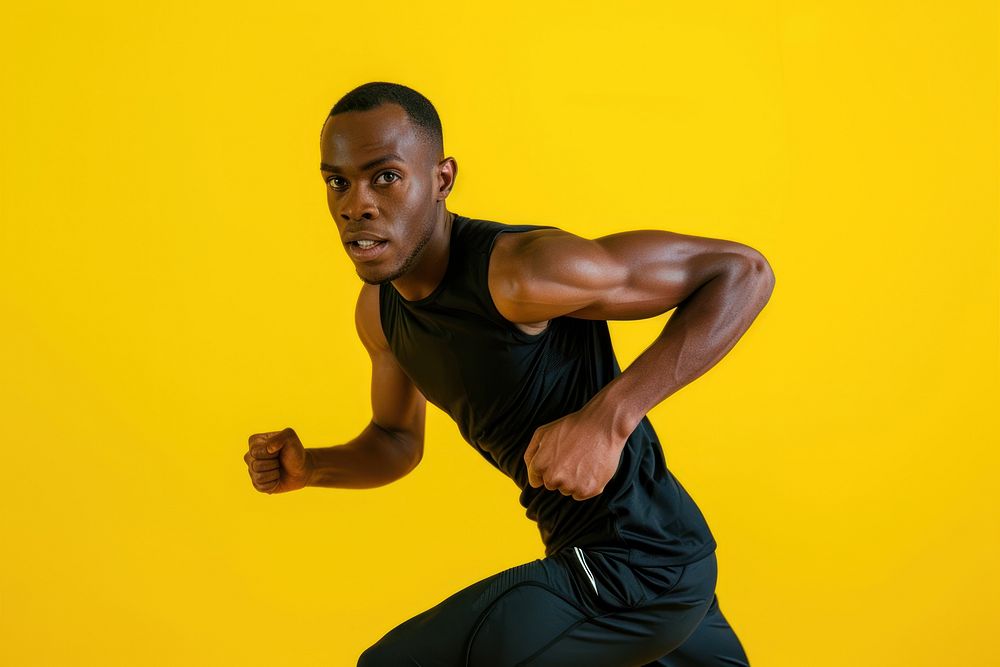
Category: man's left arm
<point>717,287</point>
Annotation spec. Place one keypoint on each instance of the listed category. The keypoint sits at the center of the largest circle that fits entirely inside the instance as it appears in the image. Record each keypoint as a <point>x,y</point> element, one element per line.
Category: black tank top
<point>499,384</point>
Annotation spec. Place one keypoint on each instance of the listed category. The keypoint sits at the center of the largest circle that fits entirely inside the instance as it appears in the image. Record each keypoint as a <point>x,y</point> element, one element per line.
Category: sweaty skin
<point>717,287</point>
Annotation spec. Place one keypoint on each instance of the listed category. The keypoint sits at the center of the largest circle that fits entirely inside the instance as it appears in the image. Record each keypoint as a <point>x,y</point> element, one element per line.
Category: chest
<point>462,360</point>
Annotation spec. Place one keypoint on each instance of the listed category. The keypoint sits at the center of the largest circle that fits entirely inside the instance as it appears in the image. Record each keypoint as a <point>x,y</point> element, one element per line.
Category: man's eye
<point>332,182</point>
<point>395,176</point>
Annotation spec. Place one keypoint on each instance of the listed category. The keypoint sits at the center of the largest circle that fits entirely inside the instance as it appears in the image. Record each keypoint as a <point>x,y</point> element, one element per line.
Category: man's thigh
<point>580,607</point>
<point>498,620</point>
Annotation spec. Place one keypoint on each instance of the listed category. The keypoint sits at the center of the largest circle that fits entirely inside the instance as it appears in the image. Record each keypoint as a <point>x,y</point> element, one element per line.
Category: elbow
<point>400,450</point>
<point>763,272</point>
<point>756,271</point>
<point>416,455</point>
<point>411,451</point>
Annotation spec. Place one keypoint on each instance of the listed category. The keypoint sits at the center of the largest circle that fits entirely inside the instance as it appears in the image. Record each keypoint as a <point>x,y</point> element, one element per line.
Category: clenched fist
<point>277,462</point>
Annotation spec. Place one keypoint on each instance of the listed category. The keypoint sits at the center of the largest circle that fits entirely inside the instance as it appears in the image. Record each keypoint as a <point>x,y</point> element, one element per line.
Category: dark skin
<point>717,287</point>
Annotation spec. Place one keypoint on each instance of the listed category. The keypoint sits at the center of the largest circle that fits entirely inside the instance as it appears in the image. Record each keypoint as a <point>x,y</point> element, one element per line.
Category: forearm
<point>374,458</point>
<point>702,330</point>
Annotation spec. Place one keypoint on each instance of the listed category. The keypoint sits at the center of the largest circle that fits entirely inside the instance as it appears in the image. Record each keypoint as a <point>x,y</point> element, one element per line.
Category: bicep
<point>397,404</point>
<point>623,276</point>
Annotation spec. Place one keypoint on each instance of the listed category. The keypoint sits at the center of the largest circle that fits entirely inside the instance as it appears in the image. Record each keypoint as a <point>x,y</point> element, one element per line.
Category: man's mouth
<point>365,249</point>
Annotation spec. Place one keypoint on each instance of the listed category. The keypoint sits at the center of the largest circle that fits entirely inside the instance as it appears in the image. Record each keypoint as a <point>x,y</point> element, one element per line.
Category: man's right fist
<point>277,462</point>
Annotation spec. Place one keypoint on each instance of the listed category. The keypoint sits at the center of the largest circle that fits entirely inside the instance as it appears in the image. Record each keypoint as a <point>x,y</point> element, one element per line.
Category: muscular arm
<point>717,287</point>
<point>393,442</point>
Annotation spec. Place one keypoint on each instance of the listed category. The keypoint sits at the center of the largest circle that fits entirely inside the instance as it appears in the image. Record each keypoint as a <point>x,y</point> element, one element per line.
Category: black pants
<point>575,608</point>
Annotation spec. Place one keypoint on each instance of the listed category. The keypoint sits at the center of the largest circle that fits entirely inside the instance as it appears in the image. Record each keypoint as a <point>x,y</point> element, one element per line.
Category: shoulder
<point>545,258</point>
<point>543,249</point>
<point>545,265</point>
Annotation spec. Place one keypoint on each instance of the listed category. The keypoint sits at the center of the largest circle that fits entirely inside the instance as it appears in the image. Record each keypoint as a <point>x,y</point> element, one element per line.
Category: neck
<point>425,277</point>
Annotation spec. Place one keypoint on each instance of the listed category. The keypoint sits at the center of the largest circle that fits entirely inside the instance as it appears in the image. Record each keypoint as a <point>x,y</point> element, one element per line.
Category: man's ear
<point>447,170</point>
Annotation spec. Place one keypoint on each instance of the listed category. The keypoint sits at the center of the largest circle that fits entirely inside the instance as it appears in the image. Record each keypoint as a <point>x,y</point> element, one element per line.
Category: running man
<point>504,328</point>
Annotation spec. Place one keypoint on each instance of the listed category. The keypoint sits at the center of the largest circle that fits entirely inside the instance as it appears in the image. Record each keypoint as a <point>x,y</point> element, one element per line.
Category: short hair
<point>417,107</point>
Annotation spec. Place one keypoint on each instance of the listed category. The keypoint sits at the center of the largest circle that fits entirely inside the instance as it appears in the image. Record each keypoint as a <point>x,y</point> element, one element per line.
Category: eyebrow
<point>365,167</point>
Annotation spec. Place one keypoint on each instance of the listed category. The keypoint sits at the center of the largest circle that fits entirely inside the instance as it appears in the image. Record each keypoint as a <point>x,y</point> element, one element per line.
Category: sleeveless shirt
<point>500,383</point>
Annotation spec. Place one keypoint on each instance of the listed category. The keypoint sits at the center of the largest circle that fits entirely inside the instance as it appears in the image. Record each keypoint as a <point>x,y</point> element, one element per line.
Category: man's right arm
<point>393,442</point>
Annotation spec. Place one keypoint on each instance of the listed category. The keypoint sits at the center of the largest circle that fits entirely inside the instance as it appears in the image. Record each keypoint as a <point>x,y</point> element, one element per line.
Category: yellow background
<point>172,282</point>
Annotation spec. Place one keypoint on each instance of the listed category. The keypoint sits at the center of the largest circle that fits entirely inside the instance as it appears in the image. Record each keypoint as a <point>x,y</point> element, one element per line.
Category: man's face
<point>380,179</point>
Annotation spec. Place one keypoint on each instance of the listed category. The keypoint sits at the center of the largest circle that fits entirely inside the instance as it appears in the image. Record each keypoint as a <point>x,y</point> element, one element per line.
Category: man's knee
<point>396,648</point>
<point>382,655</point>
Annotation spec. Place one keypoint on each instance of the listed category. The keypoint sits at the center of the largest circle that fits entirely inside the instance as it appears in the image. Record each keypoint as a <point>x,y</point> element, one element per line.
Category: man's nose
<point>358,204</point>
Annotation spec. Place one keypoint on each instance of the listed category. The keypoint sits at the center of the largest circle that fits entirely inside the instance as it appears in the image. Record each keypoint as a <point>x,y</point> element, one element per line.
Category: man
<point>504,327</point>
